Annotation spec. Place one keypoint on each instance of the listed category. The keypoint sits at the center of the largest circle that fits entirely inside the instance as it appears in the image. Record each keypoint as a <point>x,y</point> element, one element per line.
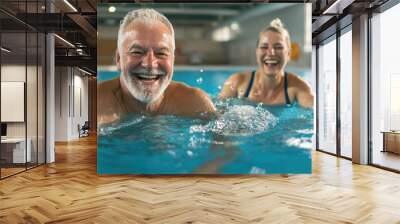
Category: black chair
<point>84,130</point>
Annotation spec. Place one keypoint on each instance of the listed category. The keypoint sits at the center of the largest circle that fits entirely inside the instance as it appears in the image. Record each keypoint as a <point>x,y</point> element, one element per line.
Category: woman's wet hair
<point>277,26</point>
<point>144,15</point>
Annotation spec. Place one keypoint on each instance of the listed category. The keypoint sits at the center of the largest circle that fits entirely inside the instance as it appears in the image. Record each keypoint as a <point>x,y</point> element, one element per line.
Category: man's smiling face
<point>146,59</point>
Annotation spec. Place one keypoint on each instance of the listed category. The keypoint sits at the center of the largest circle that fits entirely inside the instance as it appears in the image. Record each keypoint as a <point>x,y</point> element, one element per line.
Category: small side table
<point>391,141</point>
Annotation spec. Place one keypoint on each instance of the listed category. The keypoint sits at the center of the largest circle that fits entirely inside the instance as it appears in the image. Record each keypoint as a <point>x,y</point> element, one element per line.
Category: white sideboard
<point>18,148</point>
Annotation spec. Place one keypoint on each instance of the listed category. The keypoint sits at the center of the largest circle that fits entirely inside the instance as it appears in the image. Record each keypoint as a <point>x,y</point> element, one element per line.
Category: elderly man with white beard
<point>145,58</point>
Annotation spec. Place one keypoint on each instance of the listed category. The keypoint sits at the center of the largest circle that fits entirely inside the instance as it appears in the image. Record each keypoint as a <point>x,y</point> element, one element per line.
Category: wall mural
<point>159,115</point>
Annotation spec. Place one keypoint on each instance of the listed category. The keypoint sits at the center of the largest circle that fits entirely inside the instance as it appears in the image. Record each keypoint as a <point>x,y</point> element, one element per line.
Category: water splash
<point>109,129</point>
<point>257,170</point>
<point>305,131</point>
<point>304,143</point>
<point>199,80</point>
<point>189,153</point>
<point>239,120</point>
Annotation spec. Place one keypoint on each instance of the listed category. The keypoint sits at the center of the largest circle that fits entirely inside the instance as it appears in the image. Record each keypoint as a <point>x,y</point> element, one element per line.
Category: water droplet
<point>304,143</point>
<point>201,70</point>
<point>199,80</point>
<point>219,87</point>
<point>257,170</point>
<point>172,153</point>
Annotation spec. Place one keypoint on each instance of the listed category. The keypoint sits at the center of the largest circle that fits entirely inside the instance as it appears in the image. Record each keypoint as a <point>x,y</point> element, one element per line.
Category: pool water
<point>248,138</point>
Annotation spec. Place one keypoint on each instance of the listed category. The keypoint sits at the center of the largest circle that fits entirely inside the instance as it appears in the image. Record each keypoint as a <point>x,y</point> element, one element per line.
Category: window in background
<point>327,96</point>
<point>314,87</point>
<point>385,86</point>
<point>22,67</point>
<point>14,150</point>
<point>346,93</point>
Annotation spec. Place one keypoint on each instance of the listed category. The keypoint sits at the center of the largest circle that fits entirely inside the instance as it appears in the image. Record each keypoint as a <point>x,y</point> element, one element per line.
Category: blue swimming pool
<point>248,138</point>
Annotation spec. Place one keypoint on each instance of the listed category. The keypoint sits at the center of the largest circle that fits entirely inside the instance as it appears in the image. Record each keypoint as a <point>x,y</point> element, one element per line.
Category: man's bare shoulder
<point>189,99</point>
<point>182,86</point>
<point>106,92</point>
<point>107,87</point>
<point>108,109</point>
<point>188,93</point>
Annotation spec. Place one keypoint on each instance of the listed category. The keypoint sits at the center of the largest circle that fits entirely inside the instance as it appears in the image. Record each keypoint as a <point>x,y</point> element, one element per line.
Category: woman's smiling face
<point>272,53</point>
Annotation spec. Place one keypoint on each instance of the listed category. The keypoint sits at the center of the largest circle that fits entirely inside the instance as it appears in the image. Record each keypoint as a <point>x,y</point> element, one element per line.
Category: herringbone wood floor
<point>70,191</point>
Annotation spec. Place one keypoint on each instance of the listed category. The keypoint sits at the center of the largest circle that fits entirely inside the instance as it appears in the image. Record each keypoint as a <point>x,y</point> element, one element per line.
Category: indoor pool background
<point>248,138</point>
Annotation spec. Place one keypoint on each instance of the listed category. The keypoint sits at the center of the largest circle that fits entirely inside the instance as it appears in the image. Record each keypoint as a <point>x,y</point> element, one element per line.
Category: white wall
<point>33,126</point>
<point>70,83</point>
<point>61,103</point>
<point>14,73</point>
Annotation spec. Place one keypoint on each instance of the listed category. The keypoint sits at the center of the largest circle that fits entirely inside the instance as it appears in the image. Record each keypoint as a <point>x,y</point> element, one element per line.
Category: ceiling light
<point>235,26</point>
<point>226,33</point>
<point>84,71</point>
<point>65,41</point>
<point>111,9</point>
<point>70,5</point>
<point>5,49</point>
<point>222,34</point>
<point>79,51</point>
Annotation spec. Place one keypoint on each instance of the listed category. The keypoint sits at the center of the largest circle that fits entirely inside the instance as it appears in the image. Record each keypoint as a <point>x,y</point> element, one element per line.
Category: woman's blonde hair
<point>277,26</point>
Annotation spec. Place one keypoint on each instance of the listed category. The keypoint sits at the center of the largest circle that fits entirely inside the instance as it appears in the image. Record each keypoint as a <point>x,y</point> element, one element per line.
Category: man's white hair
<point>144,15</point>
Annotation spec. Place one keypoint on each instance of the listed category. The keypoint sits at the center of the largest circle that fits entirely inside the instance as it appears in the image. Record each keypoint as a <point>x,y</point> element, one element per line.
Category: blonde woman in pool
<point>270,83</point>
